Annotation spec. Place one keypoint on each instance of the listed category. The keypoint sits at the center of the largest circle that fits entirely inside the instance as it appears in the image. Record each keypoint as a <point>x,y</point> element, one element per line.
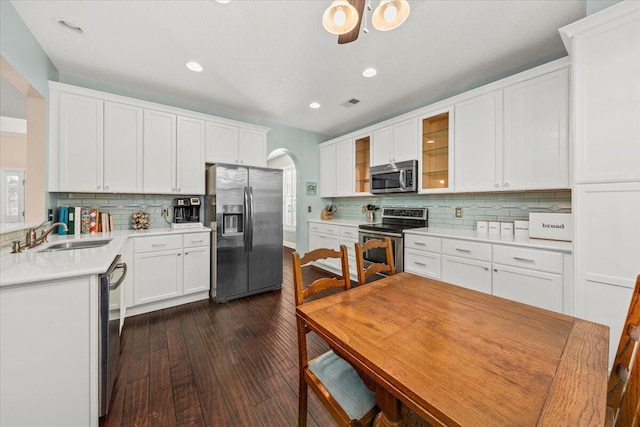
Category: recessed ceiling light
<point>223,1</point>
<point>430,141</point>
<point>194,66</point>
<point>314,105</point>
<point>370,72</point>
<point>69,26</point>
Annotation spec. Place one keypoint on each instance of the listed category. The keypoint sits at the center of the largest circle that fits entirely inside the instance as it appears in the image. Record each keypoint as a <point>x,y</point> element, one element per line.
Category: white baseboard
<point>291,245</point>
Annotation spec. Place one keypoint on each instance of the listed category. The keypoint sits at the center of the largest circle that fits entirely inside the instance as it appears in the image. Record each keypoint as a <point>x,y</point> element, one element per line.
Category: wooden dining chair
<point>335,382</point>
<point>623,397</point>
<point>388,268</point>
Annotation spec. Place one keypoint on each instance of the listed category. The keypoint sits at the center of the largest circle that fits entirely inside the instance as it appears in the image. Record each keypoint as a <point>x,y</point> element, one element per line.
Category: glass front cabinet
<point>436,160</point>
<point>362,157</point>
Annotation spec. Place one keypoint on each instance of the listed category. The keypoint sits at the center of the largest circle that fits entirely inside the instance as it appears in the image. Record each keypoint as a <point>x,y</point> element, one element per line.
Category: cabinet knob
<point>495,269</point>
<point>497,185</point>
<point>506,184</point>
<point>179,189</point>
<point>173,189</point>
<point>98,187</point>
<point>106,187</point>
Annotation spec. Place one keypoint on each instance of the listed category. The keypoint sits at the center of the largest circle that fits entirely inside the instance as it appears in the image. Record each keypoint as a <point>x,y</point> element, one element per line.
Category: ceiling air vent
<point>350,103</point>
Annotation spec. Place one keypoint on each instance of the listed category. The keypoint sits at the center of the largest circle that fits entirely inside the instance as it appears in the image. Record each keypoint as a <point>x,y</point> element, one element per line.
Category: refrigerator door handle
<point>251,219</point>
<point>247,221</point>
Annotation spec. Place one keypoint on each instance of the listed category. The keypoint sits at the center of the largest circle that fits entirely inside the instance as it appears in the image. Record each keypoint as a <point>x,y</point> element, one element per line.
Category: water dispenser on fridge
<point>232,219</point>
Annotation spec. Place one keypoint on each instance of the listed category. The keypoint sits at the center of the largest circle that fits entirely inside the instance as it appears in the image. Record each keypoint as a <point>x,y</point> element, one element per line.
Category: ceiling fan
<point>344,17</point>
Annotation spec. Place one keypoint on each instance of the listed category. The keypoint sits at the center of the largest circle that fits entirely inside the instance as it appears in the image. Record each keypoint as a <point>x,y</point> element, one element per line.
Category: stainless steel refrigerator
<point>246,205</point>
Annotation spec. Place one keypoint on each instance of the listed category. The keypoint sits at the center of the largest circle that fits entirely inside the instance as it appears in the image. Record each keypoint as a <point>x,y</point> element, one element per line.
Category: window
<point>12,195</point>
<point>289,197</point>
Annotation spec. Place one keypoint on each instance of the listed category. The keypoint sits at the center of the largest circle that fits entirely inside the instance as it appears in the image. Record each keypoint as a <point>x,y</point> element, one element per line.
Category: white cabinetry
<point>197,262</point>
<point>529,276</point>
<point>77,137</point>
<point>337,169</point>
<point>536,126</point>
<point>173,153</point>
<point>234,145</point>
<point>331,236</point>
<point>605,56</point>
<point>49,354</point>
<point>422,255</point>
<point>514,138</point>
<point>395,143</point>
<point>157,268</point>
<point>122,148</point>
<point>478,143</point>
<point>170,266</point>
<point>467,264</point>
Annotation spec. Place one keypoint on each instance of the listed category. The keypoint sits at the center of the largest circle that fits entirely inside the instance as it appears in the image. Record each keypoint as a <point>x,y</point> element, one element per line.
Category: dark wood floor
<point>207,364</point>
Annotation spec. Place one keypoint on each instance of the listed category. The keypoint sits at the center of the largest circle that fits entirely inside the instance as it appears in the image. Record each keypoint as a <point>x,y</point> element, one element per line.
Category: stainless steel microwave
<point>401,177</point>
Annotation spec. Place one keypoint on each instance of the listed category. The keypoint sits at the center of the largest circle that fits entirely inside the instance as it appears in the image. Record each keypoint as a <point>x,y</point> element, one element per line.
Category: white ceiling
<point>270,59</point>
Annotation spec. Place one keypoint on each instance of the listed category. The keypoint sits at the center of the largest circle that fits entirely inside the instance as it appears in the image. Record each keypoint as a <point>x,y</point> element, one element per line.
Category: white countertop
<point>348,222</point>
<point>490,238</point>
<point>32,266</point>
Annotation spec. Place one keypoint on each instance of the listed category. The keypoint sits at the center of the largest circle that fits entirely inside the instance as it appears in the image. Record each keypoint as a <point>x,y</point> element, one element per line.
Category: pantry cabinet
<point>397,142</point>
<point>234,145</point>
<point>514,138</point>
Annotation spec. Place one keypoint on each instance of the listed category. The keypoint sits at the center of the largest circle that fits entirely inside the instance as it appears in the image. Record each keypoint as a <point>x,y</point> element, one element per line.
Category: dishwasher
<point>109,303</point>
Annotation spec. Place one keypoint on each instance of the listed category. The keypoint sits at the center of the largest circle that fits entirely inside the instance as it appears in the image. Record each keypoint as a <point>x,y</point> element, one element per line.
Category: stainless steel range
<point>394,221</point>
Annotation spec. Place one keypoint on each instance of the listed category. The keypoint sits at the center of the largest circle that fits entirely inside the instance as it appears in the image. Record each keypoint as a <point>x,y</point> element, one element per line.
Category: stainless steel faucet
<point>32,240</point>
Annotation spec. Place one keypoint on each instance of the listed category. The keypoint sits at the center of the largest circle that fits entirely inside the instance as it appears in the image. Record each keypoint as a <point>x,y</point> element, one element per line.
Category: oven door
<point>379,255</point>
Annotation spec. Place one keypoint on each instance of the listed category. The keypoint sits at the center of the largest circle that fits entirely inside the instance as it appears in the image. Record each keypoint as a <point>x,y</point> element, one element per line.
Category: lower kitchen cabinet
<point>422,255</point>
<point>531,287</point>
<point>196,263</point>
<point>157,276</point>
<point>48,354</point>
<point>169,270</point>
<point>332,236</point>
<point>468,273</point>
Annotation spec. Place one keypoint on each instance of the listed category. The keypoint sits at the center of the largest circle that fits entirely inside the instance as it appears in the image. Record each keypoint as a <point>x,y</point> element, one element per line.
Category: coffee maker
<point>186,212</point>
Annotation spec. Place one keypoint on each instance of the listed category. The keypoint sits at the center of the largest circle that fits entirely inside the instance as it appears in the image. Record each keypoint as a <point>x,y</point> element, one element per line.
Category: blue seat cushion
<point>344,384</point>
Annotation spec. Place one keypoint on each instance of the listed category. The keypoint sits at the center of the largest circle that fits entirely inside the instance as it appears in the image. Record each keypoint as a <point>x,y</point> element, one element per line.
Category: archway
<point>282,158</point>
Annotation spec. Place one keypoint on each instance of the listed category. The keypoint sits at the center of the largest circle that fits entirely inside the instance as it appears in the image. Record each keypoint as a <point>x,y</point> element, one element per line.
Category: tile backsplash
<point>121,206</point>
<point>504,207</point>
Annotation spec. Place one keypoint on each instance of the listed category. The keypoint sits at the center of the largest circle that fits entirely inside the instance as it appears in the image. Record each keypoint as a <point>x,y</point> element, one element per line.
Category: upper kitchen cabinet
<point>236,145</point>
<point>436,161</point>
<point>336,169</point>
<point>478,143</point>
<point>122,148</point>
<point>536,127</point>
<point>76,141</point>
<point>362,160</point>
<point>173,153</point>
<point>395,143</point>
<point>606,94</point>
<point>514,138</point>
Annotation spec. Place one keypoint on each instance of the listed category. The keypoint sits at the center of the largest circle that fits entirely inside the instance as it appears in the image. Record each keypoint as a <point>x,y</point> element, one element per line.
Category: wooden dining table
<point>457,357</point>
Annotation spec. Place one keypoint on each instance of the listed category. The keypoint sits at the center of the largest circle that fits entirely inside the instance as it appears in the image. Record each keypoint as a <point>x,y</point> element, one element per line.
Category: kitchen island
<point>49,327</point>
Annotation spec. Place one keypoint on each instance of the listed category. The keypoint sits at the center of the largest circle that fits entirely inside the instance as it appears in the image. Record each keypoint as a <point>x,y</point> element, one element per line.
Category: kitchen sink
<point>75,244</point>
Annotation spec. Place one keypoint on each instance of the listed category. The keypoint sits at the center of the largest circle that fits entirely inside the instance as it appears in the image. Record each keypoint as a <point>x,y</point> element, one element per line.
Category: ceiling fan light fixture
<point>340,18</point>
<point>390,14</point>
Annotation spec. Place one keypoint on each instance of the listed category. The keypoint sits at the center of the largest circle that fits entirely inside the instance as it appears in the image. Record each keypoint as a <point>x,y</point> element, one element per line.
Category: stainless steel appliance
<point>109,303</point>
<point>394,221</point>
<point>246,204</point>
<point>401,177</point>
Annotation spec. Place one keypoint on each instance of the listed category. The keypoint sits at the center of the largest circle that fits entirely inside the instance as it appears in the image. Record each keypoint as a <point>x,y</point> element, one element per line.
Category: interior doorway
<point>280,159</point>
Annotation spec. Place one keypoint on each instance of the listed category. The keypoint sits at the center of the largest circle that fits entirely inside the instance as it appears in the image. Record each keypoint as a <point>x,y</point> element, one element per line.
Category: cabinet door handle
<point>155,245</point>
<point>197,241</point>
<point>486,269</point>
<point>497,185</point>
<point>179,254</point>
<point>420,244</point>
<point>98,187</point>
<point>524,259</point>
<point>106,187</point>
<point>422,264</point>
<point>495,269</point>
<point>466,251</point>
<point>506,184</point>
<point>185,254</point>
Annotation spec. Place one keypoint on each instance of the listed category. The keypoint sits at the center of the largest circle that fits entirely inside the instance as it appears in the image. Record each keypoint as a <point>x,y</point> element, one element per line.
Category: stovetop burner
<point>394,220</point>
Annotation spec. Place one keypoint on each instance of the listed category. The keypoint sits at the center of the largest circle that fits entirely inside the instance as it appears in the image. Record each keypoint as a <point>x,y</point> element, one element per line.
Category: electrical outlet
<point>165,212</point>
<point>308,208</point>
<point>458,212</point>
<point>364,209</point>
